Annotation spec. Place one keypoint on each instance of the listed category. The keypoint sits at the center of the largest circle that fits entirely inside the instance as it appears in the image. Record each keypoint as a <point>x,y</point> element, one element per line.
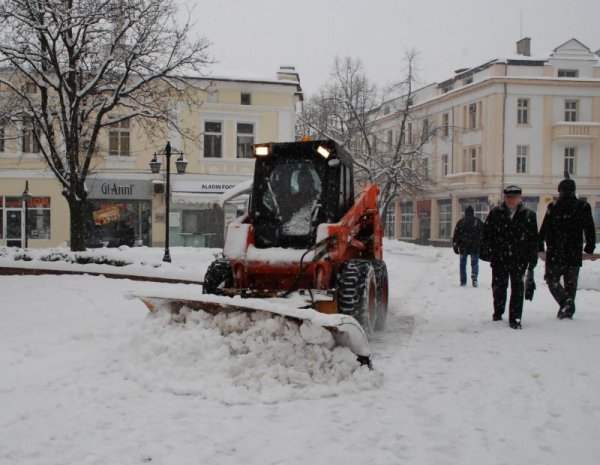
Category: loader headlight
<point>262,150</point>
<point>323,151</point>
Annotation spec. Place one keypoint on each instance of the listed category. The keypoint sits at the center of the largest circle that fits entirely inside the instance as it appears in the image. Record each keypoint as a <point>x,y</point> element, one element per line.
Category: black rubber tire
<point>381,278</point>
<point>218,275</point>
<point>357,292</point>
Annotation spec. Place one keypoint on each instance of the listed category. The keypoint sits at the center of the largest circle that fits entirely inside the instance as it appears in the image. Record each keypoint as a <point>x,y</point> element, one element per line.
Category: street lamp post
<point>26,197</point>
<point>180,164</point>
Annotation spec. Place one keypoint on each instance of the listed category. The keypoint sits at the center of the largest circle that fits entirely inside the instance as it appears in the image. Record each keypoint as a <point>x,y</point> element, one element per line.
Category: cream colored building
<point>519,120</point>
<point>127,201</point>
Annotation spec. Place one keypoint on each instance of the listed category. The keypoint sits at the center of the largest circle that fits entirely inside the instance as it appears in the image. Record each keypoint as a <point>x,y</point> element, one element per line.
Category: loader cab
<point>297,186</point>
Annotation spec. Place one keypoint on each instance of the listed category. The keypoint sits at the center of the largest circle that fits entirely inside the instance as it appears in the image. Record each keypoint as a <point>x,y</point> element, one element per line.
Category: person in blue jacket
<point>466,242</point>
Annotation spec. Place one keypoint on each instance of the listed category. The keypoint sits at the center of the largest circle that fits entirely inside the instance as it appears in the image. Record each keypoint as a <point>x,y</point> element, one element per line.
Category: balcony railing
<point>464,178</point>
<point>574,130</point>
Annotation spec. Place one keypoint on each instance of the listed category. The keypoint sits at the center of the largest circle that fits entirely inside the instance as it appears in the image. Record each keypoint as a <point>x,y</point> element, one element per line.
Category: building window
<point>2,138</point>
<point>425,131</point>
<point>191,222</point>
<point>409,133</point>
<point>445,165</point>
<point>390,140</point>
<point>571,110</point>
<point>569,166</point>
<point>523,111</point>
<point>568,73</point>
<point>445,209</point>
<point>472,124</point>
<point>522,155</point>
<point>245,139</point>
<point>38,218</point>
<point>213,139</point>
<point>390,220</point>
<point>374,143</point>
<point>30,143</point>
<point>424,167</point>
<point>118,138</point>
<point>30,88</point>
<point>471,155</point>
<point>406,219</point>
<point>445,124</point>
<point>246,98</point>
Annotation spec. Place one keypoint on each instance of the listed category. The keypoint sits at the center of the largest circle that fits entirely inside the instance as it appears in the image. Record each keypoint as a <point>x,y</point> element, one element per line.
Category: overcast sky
<point>257,36</point>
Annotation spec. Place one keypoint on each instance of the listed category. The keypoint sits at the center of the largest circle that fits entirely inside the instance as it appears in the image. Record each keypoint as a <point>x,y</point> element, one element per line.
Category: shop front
<point>31,212</point>
<point>197,219</point>
<point>119,212</point>
<point>424,212</point>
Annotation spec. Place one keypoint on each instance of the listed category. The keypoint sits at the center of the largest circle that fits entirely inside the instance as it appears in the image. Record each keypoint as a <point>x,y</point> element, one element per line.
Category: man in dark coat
<point>466,242</point>
<point>510,244</point>
<point>566,222</point>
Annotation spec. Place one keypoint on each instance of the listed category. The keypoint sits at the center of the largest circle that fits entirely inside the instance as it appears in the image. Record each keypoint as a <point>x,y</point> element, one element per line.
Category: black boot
<point>567,309</point>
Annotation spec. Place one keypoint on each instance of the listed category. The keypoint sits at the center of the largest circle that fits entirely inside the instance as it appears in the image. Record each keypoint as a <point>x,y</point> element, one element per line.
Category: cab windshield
<point>293,193</point>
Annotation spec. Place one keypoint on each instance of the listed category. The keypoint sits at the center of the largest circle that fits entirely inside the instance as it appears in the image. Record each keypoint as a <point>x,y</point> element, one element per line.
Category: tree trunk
<point>78,211</point>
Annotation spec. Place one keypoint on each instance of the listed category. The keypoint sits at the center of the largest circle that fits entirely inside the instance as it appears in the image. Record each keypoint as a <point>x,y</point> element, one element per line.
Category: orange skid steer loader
<point>305,233</point>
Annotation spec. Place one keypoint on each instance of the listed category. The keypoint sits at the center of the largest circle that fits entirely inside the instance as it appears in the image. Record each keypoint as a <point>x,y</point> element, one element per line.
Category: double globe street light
<point>181,165</point>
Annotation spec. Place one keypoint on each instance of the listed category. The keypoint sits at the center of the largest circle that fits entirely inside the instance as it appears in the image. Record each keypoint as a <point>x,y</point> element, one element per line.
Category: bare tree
<point>351,111</point>
<point>74,67</point>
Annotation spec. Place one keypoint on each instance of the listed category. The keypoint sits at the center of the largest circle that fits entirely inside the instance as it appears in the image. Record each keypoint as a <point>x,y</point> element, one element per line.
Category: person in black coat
<point>510,244</point>
<point>466,242</point>
<point>566,222</point>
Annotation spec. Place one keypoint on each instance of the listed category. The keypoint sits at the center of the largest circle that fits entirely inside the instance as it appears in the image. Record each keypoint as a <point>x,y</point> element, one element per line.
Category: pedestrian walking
<point>567,221</point>
<point>510,244</point>
<point>466,242</point>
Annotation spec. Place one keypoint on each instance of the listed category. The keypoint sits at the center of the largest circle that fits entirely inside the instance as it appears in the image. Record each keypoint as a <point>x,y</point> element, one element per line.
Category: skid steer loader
<point>305,232</point>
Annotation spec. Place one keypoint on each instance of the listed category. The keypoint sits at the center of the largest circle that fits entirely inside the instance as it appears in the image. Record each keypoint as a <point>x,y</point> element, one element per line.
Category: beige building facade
<point>126,201</point>
<point>519,120</point>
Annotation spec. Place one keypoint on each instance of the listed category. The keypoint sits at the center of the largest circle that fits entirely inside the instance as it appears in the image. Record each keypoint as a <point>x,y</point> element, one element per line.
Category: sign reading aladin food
<point>106,215</point>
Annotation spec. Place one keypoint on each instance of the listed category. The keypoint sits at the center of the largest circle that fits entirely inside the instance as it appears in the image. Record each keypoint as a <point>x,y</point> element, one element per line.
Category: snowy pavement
<point>89,377</point>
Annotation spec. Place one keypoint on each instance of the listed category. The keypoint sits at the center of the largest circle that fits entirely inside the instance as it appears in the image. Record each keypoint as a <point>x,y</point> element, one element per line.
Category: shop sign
<point>117,190</point>
<point>424,208</point>
<point>121,189</point>
<point>34,202</point>
<point>106,215</point>
<point>215,187</point>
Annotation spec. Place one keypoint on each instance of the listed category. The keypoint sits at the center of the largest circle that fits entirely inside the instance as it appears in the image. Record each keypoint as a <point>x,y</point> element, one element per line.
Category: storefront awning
<point>204,201</point>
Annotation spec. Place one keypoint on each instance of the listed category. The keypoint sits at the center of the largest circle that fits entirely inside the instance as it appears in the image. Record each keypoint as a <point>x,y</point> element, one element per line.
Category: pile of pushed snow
<point>242,358</point>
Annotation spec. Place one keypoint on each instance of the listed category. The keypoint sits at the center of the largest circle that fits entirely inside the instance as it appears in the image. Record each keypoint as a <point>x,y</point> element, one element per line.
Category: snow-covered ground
<point>87,376</point>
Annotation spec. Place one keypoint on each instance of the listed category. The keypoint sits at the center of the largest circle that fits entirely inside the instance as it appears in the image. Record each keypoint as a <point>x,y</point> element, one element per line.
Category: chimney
<point>288,73</point>
<point>524,47</point>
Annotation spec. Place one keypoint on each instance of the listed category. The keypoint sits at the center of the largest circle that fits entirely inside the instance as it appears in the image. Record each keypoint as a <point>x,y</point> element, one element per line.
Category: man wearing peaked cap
<point>512,190</point>
<point>567,220</point>
<point>510,244</point>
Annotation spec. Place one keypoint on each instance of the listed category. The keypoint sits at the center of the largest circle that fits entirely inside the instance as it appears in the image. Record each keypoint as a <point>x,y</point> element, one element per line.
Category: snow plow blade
<point>347,332</point>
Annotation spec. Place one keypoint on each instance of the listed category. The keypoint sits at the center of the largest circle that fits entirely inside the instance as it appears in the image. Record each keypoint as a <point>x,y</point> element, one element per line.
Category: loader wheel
<point>219,275</point>
<point>357,292</point>
<point>381,278</point>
